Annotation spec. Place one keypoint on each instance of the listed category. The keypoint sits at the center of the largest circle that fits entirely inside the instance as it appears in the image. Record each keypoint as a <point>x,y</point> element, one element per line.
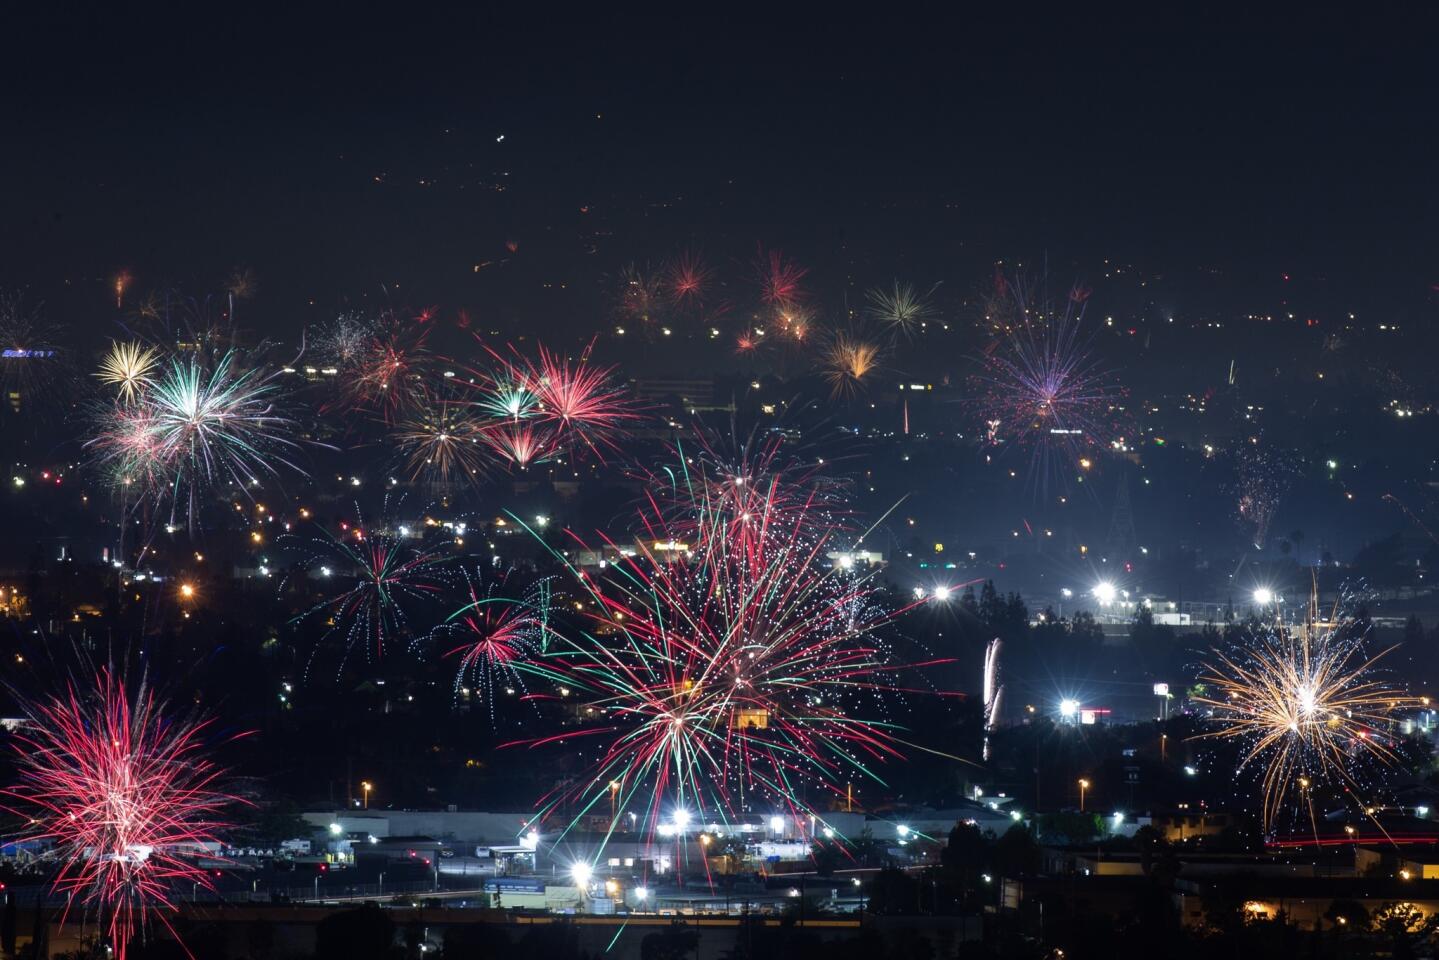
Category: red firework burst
<point>126,795</point>
<point>389,376</point>
<point>520,444</point>
<point>687,278</point>
<point>780,280</point>
<point>580,399</point>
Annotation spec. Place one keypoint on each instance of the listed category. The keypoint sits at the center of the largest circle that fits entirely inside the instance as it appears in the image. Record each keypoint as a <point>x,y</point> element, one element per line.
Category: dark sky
<point>333,152</point>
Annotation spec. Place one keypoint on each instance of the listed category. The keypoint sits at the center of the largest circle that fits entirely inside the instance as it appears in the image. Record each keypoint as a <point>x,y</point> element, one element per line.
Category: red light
<point>324,868</point>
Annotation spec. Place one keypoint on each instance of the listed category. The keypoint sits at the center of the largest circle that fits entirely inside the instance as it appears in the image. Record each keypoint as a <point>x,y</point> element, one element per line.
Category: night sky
<point>336,153</point>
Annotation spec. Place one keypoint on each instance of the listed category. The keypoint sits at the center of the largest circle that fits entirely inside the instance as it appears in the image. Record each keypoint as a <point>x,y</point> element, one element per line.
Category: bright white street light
<point>681,818</point>
<point>1105,592</point>
<point>1263,596</point>
<point>941,594</point>
<point>902,830</point>
<point>1068,708</point>
<point>581,873</point>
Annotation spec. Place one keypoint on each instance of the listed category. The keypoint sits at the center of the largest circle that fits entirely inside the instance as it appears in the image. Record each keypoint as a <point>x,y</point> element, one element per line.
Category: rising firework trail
<point>993,690</point>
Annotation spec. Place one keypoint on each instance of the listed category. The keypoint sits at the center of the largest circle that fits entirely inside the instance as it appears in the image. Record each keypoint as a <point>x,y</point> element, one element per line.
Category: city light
<point>1263,596</point>
<point>1068,708</point>
<point>941,594</point>
<point>581,873</point>
<point>1105,592</point>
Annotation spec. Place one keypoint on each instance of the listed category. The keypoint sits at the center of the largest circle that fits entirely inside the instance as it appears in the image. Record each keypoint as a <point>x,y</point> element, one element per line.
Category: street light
<point>1083,786</point>
<point>581,873</point>
<point>1105,592</point>
<point>1263,596</point>
<point>365,787</point>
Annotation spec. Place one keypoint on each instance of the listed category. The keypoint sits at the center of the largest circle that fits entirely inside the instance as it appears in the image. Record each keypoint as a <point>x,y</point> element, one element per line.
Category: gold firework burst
<point>127,367</point>
<point>847,361</point>
<point>1307,705</point>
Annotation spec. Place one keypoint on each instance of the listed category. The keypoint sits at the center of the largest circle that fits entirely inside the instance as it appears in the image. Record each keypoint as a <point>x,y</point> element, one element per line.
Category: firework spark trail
<point>124,793</point>
<point>727,672</point>
<point>1306,704</point>
<point>381,574</point>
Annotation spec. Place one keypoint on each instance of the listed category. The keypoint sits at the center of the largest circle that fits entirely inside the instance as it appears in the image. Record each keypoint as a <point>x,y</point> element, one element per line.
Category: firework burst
<point>441,439</point>
<point>127,797</point>
<point>378,574</point>
<point>192,428</point>
<point>847,361</point>
<point>389,376</point>
<point>520,444</point>
<point>344,341</point>
<point>1042,387</point>
<point>1307,706</point>
<point>580,400</point>
<point>31,358</point>
<point>493,633</point>
<point>726,670</point>
<point>128,367</point>
<point>642,297</point>
<point>899,309</point>
<point>687,279</point>
<point>780,280</point>
<point>1263,477</point>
